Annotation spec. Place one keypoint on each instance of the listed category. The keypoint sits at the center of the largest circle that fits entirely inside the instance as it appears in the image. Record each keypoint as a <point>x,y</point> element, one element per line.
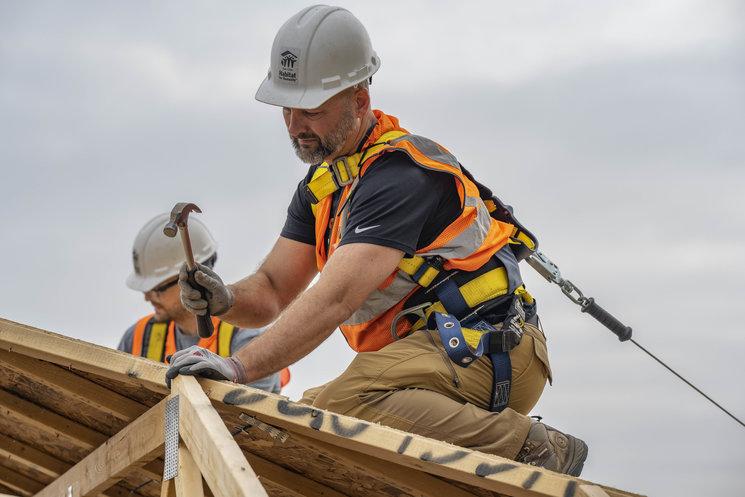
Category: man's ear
<point>361,101</point>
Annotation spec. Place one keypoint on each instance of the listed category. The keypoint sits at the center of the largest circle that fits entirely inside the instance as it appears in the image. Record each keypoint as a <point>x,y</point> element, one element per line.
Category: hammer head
<point>179,217</point>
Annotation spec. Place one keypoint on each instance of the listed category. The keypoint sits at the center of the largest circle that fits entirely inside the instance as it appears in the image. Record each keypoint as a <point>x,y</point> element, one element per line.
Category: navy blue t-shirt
<point>396,204</point>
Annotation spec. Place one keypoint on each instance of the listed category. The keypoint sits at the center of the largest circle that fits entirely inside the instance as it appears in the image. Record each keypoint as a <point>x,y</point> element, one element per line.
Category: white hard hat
<point>317,53</point>
<point>158,258</point>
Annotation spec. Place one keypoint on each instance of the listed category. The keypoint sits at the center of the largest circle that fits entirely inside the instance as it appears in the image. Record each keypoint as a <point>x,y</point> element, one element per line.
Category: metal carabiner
<point>569,289</point>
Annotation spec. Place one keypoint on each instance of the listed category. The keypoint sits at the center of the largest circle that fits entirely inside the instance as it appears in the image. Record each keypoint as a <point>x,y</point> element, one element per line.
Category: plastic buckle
<point>335,171</point>
<point>512,326</point>
<point>511,338</point>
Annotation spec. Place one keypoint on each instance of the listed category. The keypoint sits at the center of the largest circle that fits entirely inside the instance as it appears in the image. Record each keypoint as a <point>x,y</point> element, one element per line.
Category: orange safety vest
<point>161,341</point>
<point>466,245</point>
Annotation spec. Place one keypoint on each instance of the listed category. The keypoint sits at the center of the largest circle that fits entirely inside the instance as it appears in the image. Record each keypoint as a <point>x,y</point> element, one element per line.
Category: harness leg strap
<point>501,381</point>
<point>458,350</point>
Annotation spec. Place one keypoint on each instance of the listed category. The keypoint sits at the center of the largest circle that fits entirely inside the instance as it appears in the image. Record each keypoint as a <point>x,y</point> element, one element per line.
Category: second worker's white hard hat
<point>317,53</point>
<point>158,258</point>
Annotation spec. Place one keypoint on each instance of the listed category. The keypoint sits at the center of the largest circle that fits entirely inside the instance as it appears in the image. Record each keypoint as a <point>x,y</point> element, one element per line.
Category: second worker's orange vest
<point>161,341</point>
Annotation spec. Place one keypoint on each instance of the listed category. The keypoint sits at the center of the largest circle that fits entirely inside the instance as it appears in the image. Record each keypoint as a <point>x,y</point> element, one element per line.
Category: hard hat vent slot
<point>331,82</point>
<point>359,73</point>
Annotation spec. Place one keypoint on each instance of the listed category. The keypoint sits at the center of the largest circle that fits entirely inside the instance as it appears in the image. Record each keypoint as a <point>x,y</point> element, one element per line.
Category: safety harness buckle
<point>342,171</point>
<point>512,326</point>
<point>511,338</point>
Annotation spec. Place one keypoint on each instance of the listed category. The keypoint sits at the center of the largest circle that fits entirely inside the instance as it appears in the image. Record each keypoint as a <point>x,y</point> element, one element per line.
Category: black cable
<point>689,383</point>
<point>546,268</point>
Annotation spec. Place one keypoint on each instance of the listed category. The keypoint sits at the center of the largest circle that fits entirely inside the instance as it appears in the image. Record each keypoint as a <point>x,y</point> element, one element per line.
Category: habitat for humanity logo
<point>288,61</point>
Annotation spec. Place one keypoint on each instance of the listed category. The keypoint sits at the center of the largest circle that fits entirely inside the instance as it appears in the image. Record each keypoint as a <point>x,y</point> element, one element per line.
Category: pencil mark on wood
<point>530,481</point>
<point>445,459</point>
<point>405,444</point>
<point>240,397</point>
<point>289,408</point>
<point>347,431</point>
<point>571,489</point>
<point>486,469</point>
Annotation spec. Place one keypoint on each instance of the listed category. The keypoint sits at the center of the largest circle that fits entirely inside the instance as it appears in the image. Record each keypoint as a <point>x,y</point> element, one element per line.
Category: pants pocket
<point>541,351</point>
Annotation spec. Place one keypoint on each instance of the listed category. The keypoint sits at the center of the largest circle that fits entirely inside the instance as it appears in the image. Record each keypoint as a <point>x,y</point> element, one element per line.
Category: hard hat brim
<point>268,93</point>
<point>145,284</point>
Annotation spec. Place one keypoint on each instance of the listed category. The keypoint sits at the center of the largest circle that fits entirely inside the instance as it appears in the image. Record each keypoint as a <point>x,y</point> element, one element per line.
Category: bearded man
<point>415,270</point>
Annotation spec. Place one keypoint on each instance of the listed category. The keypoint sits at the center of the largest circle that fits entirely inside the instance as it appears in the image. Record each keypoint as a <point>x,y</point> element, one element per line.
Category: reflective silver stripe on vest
<point>470,239</point>
<point>430,149</point>
<point>380,301</point>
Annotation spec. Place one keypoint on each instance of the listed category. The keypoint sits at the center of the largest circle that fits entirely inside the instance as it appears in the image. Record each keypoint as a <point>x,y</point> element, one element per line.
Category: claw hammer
<point>179,222</point>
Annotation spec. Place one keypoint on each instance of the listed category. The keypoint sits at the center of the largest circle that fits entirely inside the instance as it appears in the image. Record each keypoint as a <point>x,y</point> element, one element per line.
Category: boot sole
<point>578,456</point>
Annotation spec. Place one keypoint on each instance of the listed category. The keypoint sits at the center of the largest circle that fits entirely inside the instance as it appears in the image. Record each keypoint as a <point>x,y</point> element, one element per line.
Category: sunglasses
<point>165,286</point>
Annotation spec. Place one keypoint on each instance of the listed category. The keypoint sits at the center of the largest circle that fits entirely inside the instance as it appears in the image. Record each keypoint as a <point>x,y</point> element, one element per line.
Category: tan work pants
<point>412,385</point>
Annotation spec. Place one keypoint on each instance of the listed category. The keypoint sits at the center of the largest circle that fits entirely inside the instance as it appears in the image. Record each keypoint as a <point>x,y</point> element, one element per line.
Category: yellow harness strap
<point>225,337</point>
<point>158,333</point>
<point>328,178</point>
<point>415,267</point>
<point>475,292</point>
<point>155,342</point>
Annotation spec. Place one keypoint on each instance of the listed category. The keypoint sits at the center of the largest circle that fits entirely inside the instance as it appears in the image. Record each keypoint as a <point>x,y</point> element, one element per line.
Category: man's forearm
<point>256,302</point>
<point>302,327</point>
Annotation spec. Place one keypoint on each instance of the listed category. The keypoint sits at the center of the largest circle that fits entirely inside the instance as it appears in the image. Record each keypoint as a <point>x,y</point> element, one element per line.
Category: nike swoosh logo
<point>359,230</point>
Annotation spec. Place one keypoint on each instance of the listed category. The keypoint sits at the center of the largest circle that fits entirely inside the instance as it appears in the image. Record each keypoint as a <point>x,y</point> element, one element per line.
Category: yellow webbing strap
<point>328,178</point>
<point>523,293</point>
<point>472,337</point>
<point>519,237</point>
<point>475,292</point>
<point>485,287</point>
<point>224,338</point>
<point>410,266</point>
<point>157,340</point>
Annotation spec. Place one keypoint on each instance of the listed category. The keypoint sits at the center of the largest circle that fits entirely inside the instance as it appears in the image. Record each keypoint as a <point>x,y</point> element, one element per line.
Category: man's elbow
<point>344,301</point>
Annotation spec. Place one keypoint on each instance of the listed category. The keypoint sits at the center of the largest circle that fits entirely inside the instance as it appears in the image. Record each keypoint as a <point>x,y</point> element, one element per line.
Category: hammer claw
<point>179,223</point>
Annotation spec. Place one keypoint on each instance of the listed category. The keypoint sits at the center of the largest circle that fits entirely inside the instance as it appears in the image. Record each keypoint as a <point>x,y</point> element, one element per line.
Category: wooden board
<point>61,399</point>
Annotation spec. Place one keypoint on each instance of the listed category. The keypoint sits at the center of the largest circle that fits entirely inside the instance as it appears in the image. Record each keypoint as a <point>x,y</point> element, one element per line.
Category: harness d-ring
<point>417,310</point>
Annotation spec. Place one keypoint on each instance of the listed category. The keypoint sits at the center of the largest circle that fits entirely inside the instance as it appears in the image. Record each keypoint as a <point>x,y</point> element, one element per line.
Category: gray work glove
<point>219,296</point>
<point>201,362</point>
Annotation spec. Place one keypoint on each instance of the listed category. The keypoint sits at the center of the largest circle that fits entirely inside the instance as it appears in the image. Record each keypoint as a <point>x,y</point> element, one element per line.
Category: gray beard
<point>327,145</point>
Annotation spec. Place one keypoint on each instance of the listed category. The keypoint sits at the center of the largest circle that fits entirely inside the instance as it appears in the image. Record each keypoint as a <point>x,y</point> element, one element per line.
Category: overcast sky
<point>616,129</point>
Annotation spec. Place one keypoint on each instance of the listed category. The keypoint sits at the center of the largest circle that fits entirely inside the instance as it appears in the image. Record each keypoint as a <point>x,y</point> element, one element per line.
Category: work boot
<point>551,449</point>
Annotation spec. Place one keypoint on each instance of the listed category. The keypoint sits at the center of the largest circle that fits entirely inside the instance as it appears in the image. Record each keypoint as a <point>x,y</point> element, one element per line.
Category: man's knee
<point>342,393</point>
<point>309,396</point>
